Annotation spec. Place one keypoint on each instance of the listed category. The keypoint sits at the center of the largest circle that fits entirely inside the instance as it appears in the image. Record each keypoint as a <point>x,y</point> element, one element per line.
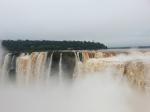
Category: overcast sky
<point>112,22</point>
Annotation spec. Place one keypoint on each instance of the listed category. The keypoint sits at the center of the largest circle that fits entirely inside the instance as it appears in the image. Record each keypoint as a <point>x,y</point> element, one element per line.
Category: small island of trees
<point>47,45</point>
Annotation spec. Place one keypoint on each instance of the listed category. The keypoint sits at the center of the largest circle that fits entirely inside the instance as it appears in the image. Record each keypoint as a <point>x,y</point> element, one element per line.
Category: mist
<point>97,92</point>
<point>112,22</point>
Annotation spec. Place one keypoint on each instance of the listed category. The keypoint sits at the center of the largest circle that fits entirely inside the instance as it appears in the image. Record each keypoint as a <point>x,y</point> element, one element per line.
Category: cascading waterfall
<point>34,57</point>
<point>60,68</point>
<point>78,57</point>
<point>23,67</point>
<point>33,67</point>
<point>40,65</point>
<point>30,67</point>
<point>5,68</point>
<point>76,81</point>
<point>77,65</point>
<point>85,56</point>
<point>49,67</point>
<point>13,62</point>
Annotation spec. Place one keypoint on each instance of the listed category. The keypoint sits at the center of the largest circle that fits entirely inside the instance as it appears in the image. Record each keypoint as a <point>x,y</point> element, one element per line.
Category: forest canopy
<point>47,45</point>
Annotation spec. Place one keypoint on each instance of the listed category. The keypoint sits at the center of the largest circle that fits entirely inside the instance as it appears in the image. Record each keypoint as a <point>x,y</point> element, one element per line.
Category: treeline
<point>46,45</point>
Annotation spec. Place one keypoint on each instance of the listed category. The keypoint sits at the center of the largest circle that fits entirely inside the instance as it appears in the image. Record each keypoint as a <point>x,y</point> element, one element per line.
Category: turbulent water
<point>75,81</point>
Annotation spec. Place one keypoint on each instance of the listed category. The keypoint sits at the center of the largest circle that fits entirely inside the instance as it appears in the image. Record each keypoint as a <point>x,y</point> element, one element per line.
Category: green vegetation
<point>45,45</point>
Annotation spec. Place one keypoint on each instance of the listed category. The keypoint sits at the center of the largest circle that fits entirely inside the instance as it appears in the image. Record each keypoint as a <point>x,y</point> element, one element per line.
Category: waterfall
<point>23,67</point>
<point>28,68</point>
<point>13,62</point>
<point>34,57</point>
<point>85,56</point>
<point>49,67</point>
<point>5,67</point>
<point>77,62</point>
<point>33,67</point>
<point>40,65</point>
<point>60,68</point>
<point>78,57</point>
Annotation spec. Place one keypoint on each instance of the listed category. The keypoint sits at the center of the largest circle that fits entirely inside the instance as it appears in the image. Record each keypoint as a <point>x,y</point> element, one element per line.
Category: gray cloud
<point>113,22</point>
